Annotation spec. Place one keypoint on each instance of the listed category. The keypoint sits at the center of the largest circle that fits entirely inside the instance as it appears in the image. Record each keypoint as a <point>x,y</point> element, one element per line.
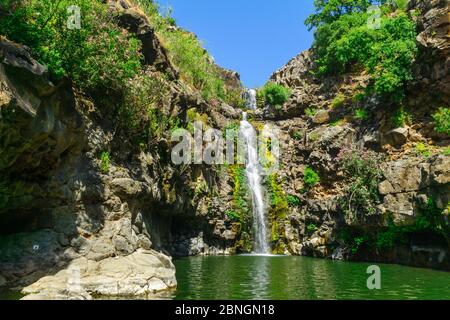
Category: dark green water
<point>296,278</point>
<point>301,278</point>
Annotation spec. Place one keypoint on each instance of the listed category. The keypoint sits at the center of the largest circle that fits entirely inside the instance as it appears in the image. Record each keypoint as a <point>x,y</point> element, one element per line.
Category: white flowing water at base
<point>253,173</point>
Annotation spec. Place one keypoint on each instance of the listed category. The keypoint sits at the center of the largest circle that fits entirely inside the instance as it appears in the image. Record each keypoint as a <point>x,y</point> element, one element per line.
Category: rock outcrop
<point>411,178</point>
<point>60,210</point>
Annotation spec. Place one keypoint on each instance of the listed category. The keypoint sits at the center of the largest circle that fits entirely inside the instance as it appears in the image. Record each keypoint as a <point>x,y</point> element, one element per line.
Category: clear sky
<point>252,37</point>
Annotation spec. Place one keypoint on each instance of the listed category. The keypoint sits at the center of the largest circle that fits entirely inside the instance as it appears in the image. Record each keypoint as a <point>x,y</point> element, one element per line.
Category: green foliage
<point>105,162</point>
<point>274,94</point>
<point>401,4</point>
<point>293,200</point>
<point>363,174</point>
<point>311,228</point>
<point>97,56</point>
<point>344,39</point>
<point>233,215</point>
<point>423,150</point>
<point>446,151</point>
<point>187,53</point>
<point>442,120</point>
<point>338,101</point>
<point>361,114</point>
<point>310,112</point>
<point>328,11</point>
<point>298,135</point>
<point>239,190</point>
<point>431,220</point>
<point>402,118</point>
<point>310,177</point>
<point>277,196</point>
<point>337,122</point>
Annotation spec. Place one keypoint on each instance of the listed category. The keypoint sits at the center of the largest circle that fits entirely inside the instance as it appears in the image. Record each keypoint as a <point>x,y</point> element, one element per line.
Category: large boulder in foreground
<point>145,273</point>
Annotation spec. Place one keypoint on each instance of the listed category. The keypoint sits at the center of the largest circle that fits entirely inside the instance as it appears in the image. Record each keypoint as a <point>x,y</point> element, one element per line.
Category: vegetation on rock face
<point>187,53</point>
<point>344,38</point>
<point>442,120</point>
<point>363,174</point>
<point>273,94</point>
<point>278,210</point>
<point>241,208</point>
<point>99,55</point>
<point>402,118</point>
<point>103,59</point>
<point>104,162</point>
<point>431,220</point>
<point>311,178</point>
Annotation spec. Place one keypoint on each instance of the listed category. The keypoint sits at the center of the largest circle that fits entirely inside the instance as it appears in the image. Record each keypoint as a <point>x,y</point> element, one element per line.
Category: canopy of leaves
<point>99,54</point>
<point>344,39</point>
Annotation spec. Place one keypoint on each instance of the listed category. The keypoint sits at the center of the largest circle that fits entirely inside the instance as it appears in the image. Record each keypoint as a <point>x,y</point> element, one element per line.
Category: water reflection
<point>265,277</point>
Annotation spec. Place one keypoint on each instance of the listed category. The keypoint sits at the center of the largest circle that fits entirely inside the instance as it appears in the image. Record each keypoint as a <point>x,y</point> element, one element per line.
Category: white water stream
<point>253,172</point>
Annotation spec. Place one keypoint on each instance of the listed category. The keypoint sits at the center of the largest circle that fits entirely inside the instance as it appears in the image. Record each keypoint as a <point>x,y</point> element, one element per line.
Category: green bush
<point>293,201</point>
<point>311,178</point>
<point>361,114</point>
<point>442,120</point>
<point>274,94</point>
<point>104,166</point>
<point>423,150</point>
<point>343,39</point>
<point>97,56</point>
<point>233,215</point>
<point>402,118</point>
<point>338,101</point>
<point>298,135</point>
<point>362,174</point>
<point>310,112</point>
<point>311,228</point>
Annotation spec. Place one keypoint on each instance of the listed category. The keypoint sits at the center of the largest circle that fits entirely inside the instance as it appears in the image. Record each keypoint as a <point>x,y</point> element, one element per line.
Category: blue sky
<point>252,37</point>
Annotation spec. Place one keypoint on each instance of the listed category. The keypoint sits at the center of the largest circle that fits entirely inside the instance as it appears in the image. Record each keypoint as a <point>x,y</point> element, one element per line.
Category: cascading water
<point>253,173</point>
<point>250,97</point>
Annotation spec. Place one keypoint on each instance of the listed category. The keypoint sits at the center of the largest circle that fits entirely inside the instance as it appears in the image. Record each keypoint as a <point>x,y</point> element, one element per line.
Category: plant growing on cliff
<point>293,200</point>
<point>362,174</point>
<point>442,120</point>
<point>274,94</point>
<point>186,52</point>
<point>344,39</point>
<point>310,177</point>
<point>423,150</point>
<point>361,114</point>
<point>104,162</point>
<point>402,118</point>
<point>99,55</point>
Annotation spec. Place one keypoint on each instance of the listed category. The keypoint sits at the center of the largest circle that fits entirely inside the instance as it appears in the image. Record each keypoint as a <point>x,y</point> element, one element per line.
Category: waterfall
<point>250,97</point>
<point>253,173</point>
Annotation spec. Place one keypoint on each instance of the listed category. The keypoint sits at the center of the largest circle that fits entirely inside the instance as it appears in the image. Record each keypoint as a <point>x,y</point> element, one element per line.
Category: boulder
<point>142,273</point>
<point>396,138</point>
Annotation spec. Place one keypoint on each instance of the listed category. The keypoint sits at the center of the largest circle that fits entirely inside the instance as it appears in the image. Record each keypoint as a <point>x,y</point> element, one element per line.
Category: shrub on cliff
<point>363,174</point>
<point>187,53</point>
<point>344,38</point>
<point>442,120</point>
<point>273,94</point>
<point>98,55</point>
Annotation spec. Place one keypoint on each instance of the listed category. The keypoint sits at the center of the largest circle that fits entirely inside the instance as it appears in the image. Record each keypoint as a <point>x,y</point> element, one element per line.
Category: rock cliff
<point>318,125</point>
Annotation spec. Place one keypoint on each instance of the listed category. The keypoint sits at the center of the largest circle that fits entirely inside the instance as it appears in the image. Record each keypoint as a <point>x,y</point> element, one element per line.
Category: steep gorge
<point>68,210</point>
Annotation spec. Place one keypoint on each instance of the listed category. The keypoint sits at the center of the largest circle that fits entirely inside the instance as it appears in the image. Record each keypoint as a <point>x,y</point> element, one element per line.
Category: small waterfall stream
<point>253,172</point>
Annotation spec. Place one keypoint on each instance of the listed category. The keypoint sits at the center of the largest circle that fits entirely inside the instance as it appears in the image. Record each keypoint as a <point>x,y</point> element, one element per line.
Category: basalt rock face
<point>70,228</point>
<point>411,178</point>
